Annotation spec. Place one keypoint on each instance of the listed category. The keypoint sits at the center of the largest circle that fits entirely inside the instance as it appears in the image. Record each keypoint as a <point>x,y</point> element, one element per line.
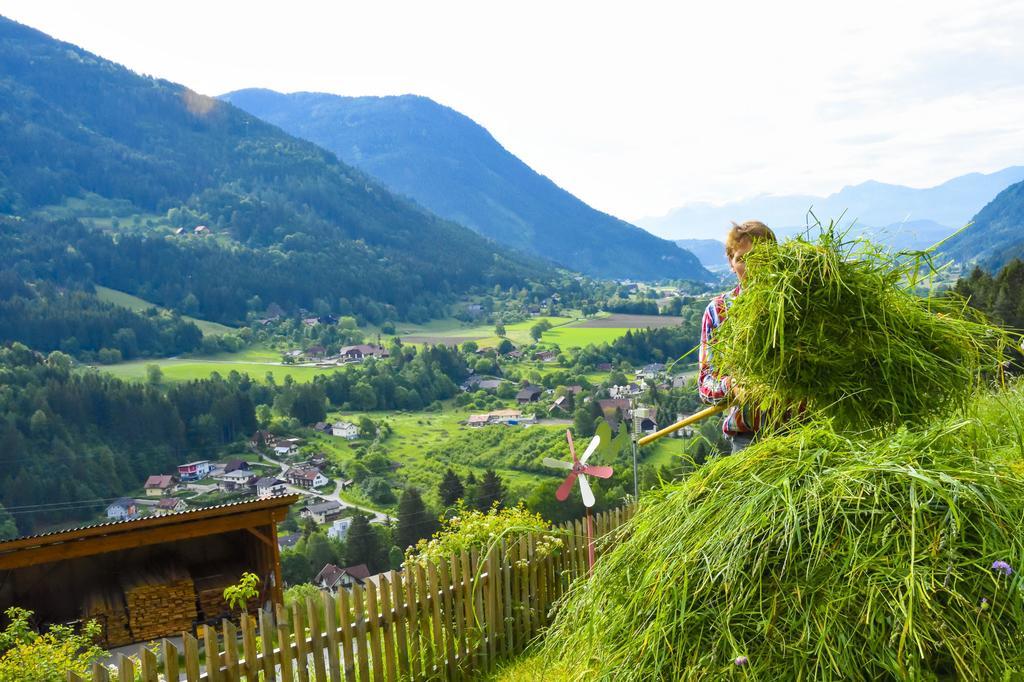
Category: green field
<point>413,435</point>
<point>570,336</point>
<point>138,305</point>
<point>184,369</point>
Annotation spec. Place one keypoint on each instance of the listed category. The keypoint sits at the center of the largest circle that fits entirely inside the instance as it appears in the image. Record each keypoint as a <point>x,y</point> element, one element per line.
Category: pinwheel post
<point>579,470</point>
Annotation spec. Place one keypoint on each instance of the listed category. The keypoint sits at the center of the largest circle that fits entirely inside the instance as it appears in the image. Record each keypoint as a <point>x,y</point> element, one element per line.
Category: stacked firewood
<point>210,590</point>
<point>161,601</point>
<point>105,604</point>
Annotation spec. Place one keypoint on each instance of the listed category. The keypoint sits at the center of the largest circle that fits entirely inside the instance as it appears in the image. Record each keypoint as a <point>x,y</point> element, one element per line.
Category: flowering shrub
<point>468,529</point>
<point>29,655</point>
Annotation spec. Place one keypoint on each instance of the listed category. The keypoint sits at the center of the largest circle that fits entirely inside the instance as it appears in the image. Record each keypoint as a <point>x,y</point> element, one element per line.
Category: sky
<point>637,107</point>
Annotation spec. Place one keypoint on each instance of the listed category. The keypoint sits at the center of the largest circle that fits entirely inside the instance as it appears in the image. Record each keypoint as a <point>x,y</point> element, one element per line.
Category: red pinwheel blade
<point>563,490</point>
<point>598,470</point>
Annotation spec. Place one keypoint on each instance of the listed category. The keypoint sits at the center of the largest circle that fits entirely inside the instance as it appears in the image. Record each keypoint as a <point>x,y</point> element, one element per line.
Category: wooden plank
<point>72,676</point>
<point>333,641</point>
<point>149,665</point>
<point>499,596</point>
<point>523,579</point>
<point>347,651</point>
<point>434,589</point>
<point>191,646</point>
<point>212,654</point>
<point>412,620</point>
<point>479,614</point>
<point>508,570</point>
<point>359,600</point>
<point>284,645</point>
<point>447,615</point>
<point>467,604</point>
<point>531,567</point>
<point>313,606</point>
<point>170,652</point>
<point>387,629</point>
<point>251,666</point>
<point>373,630</point>
<point>493,587</point>
<point>231,667</point>
<point>267,638</point>
<point>301,652</point>
<point>400,623</point>
<point>426,629</point>
<point>99,672</point>
<point>125,669</point>
<point>458,617</point>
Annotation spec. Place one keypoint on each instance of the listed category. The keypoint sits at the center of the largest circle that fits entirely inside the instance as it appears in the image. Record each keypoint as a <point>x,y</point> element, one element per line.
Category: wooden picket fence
<point>451,621</point>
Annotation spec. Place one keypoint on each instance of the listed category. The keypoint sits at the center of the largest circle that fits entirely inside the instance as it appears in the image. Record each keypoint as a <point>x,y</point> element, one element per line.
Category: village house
<point>157,486</point>
<point>680,381</point>
<point>285,450</point>
<point>332,578</point>
<point>305,477</point>
<point>201,230</point>
<point>339,529</point>
<point>170,505</point>
<point>361,351</point>
<point>529,394</point>
<point>235,480</point>
<point>514,355</point>
<point>269,486</point>
<point>262,439</point>
<point>545,356</point>
<point>630,390</point>
<point>651,371</point>
<point>613,408</point>
<point>316,351</point>
<point>322,427</point>
<point>346,430</point>
<point>123,508</point>
<point>310,321</point>
<point>561,403</point>
<point>193,471</point>
<point>321,512</point>
<point>478,420</point>
<point>235,465</point>
<point>604,367</point>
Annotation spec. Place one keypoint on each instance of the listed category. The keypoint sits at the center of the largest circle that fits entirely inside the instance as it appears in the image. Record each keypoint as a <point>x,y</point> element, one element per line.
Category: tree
<point>295,568</point>
<point>505,346</point>
<point>583,423</point>
<point>499,329</point>
<point>362,546</point>
<point>154,375</point>
<point>414,519</point>
<point>319,552</point>
<point>490,491</point>
<point>451,489</point>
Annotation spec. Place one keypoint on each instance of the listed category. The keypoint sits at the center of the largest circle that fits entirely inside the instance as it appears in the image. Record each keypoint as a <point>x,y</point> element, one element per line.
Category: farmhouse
<point>270,486</point>
<point>346,430</point>
<point>169,505</point>
<point>529,394</point>
<point>124,508</point>
<point>332,578</point>
<point>362,351</point>
<point>321,512</point>
<point>159,485</point>
<point>305,477</point>
<point>545,356</point>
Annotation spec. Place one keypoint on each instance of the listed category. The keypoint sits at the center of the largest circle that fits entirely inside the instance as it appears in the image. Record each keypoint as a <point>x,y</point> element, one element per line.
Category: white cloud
<point>635,107</point>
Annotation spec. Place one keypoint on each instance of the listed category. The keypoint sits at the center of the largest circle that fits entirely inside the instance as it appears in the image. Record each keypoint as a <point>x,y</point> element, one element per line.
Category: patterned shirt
<point>712,387</point>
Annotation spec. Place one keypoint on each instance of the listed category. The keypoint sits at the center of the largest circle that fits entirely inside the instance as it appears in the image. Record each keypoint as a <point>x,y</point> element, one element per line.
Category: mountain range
<point>454,167</point>
<point>903,217</point>
<point>290,223</point>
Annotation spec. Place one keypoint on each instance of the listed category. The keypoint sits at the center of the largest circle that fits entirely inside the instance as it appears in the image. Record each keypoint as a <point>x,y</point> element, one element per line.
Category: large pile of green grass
<point>841,327</point>
<point>817,556</point>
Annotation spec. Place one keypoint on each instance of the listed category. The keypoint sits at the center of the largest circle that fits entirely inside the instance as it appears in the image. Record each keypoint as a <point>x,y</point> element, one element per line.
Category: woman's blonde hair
<point>752,230</point>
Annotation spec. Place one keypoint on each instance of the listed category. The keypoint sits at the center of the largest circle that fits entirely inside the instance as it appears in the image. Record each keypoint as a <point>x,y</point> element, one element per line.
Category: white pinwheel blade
<point>556,463</point>
<point>586,492</point>
<point>590,450</point>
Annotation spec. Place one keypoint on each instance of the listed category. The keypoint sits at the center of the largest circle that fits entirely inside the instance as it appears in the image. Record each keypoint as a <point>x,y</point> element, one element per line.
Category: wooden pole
<point>590,543</point>
<point>692,419</point>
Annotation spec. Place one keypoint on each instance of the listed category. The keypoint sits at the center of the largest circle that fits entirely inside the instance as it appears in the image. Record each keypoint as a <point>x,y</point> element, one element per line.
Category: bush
<point>30,656</point>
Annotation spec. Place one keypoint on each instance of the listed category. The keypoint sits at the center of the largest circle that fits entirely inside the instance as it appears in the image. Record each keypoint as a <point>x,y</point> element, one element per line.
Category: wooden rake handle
<point>692,419</point>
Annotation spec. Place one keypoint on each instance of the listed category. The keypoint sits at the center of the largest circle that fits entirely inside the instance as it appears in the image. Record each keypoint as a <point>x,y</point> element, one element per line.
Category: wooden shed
<point>146,578</point>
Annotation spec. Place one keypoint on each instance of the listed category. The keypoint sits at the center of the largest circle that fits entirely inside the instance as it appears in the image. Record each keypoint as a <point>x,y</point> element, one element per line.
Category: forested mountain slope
<point>454,167</point>
<point>79,129</point>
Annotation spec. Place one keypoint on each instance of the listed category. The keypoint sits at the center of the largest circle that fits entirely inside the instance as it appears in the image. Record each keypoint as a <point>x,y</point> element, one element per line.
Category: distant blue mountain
<point>996,234</point>
<point>908,216</point>
<point>711,252</point>
<point>455,168</point>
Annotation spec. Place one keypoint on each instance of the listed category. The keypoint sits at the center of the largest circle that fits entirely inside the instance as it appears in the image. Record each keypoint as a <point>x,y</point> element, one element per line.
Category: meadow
<point>139,304</point>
